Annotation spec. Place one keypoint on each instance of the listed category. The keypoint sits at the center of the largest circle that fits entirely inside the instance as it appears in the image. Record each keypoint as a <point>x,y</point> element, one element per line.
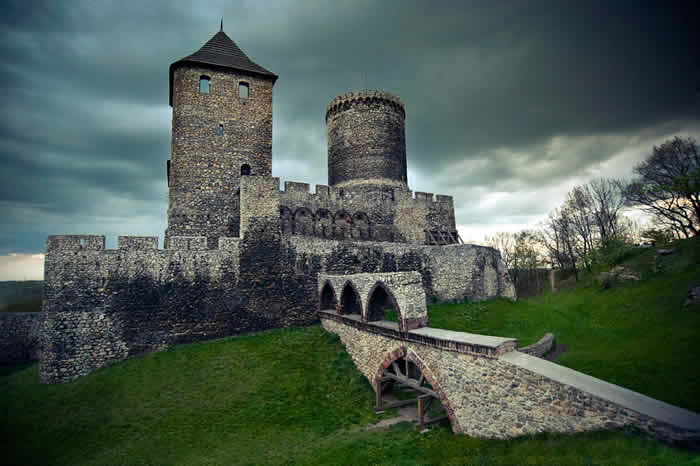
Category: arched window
<point>245,169</point>
<point>243,90</point>
<point>204,84</point>
<point>221,130</point>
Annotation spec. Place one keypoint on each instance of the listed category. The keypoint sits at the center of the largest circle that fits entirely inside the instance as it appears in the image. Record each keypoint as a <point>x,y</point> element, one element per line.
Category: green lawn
<point>282,396</point>
<point>637,335</point>
<point>294,396</point>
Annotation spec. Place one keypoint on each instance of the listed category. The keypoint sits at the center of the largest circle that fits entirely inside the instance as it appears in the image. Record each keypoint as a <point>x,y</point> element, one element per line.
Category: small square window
<point>243,90</point>
<point>204,85</point>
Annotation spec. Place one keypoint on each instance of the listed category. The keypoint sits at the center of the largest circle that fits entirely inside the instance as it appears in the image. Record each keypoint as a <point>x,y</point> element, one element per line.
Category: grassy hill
<point>22,296</point>
<point>293,396</point>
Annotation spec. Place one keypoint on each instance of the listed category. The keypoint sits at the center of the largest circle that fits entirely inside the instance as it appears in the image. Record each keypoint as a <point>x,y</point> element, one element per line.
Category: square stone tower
<point>222,130</point>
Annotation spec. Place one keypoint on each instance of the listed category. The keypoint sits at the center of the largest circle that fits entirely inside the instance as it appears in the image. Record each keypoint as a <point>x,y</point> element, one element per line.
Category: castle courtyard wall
<point>104,305</point>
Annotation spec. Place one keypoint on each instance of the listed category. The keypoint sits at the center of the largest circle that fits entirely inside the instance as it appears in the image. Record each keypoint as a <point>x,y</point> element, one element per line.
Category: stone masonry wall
<point>206,166</point>
<point>20,334</point>
<point>540,348</point>
<point>366,139</point>
<point>365,212</point>
<point>489,397</point>
<point>405,290</point>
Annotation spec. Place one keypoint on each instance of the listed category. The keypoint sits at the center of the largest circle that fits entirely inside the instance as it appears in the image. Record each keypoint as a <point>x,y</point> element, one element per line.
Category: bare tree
<point>668,185</point>
<point>608,199</point>
<point>505,243</point>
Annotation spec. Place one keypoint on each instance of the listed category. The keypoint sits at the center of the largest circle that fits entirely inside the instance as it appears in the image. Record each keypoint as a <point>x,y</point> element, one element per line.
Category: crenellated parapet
<point>366,96</point>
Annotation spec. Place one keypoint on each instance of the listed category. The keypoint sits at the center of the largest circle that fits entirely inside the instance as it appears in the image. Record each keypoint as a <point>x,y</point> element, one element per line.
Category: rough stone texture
<point>404,290</point>
<point>239,253</point>
<point>486,396</point>
<point>540,348</point>
<point>366,139</point>
<point>205,167</point>
<point>20,334</point>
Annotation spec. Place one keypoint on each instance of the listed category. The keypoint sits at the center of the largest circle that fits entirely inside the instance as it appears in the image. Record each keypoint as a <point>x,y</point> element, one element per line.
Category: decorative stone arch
<point>350,301</point>
<point>286,220</point>
<point>327,298</point>
<point>303,221</point>
<point>323,223</point>
<point>360,226</point>
<point>378,297</point>
<point>411,356</point>
<point>342,223</point>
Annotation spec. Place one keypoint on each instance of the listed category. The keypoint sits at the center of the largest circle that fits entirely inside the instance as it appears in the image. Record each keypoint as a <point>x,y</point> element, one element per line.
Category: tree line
<point>589,226</point>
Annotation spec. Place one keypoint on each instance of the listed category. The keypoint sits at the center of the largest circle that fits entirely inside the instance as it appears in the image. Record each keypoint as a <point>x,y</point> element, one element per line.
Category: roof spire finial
<point>222,24</point>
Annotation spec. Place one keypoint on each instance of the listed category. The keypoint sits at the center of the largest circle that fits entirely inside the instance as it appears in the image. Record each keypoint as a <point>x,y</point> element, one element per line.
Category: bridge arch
<point>402,354</point>
<point>350,302</point>
<point>379,299</point>
<point>328,299</point>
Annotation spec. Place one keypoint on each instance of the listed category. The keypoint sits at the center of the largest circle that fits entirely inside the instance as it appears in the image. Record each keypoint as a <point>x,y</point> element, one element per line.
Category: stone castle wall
<point>364,213</point>
<point>103,305</point>
<point>205,168</point>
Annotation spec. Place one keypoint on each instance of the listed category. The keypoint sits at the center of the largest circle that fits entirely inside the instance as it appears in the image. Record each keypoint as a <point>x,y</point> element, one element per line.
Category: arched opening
<point>303,221</point>
<point>360,229</point>
<point>341,225</point>
<point>350,300</point>
<point>204,84</point>
<point>286,220</point>
<point>245,169</point>
<point>243,90</point>
<point>404,381</point>
<point>323,223</point>
<point>328,301</point>
<point>381,302</point>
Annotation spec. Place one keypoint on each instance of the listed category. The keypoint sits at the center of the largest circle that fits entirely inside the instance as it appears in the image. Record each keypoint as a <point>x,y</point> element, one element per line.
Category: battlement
<point>75,243</point>
<point>137,242</point>
<point>302,192</point>
<point>344,101</point>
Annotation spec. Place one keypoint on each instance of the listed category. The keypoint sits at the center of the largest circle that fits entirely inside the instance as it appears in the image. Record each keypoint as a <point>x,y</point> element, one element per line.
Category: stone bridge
<point>486,387</point>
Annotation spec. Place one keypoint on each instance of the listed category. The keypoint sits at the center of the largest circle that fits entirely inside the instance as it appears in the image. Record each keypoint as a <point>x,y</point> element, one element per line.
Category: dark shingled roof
<point>222,52</point>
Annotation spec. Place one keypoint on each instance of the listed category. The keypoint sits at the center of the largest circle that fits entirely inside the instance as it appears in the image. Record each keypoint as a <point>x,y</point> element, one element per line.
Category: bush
<point>612,252</point>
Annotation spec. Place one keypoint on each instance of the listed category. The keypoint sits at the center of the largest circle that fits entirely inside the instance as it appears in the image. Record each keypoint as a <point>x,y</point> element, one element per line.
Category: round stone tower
<point>222,130</point>
<point>366,140</point>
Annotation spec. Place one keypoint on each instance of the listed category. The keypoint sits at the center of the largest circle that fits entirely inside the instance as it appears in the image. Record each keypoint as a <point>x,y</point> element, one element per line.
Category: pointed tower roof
<point>220,51</point>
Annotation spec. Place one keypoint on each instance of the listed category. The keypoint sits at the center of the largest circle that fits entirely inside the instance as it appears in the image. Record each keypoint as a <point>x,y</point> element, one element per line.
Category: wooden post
<point>378,407</point>
<point>420,413</point>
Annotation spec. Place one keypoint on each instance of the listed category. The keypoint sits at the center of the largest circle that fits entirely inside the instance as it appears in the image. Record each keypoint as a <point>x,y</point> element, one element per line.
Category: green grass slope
<point>278,397</point>
<point>294,396</point>
<point>637,334</point>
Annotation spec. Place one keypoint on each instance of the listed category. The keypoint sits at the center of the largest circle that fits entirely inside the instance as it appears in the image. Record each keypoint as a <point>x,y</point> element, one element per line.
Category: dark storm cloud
<point>512,97</point>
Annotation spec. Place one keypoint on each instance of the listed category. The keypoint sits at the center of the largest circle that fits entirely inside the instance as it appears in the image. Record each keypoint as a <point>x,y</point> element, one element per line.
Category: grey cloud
<point>488,88</point>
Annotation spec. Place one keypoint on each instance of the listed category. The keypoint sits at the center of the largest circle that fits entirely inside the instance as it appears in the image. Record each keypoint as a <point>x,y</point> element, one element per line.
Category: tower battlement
<point>343,102</point>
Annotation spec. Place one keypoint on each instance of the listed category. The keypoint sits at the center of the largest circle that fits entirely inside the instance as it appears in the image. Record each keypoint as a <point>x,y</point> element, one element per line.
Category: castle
<point>239,253</point>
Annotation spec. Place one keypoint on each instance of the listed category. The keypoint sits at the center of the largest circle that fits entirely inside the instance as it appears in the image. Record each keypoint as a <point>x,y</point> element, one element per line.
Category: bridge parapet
<point>460,342</point>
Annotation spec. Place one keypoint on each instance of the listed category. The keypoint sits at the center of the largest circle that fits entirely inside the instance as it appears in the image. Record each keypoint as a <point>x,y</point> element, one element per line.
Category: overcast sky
<point>508,104</point>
